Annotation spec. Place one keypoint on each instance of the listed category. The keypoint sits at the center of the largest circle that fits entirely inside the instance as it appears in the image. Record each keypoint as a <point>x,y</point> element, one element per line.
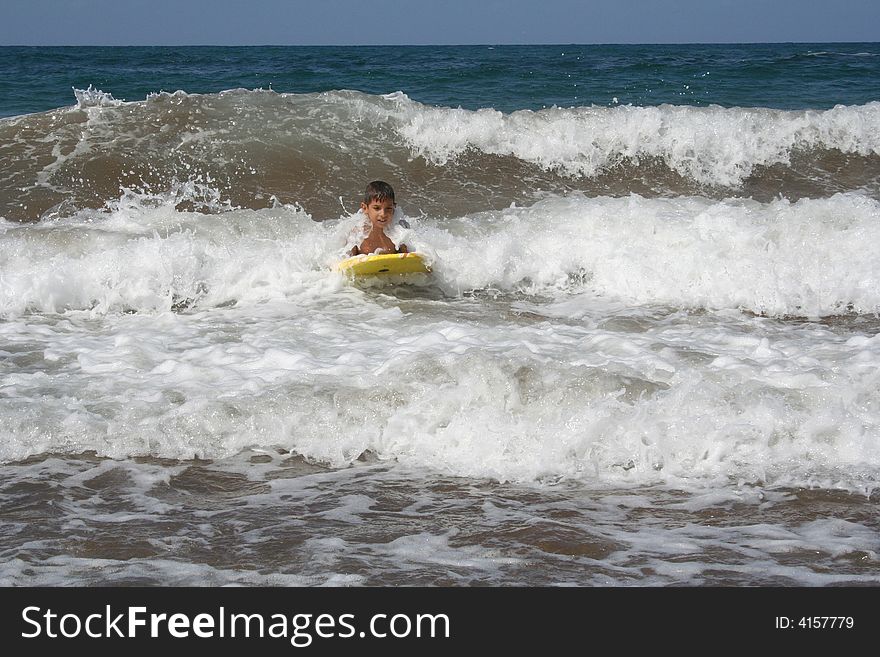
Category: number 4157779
<point>815,622</point>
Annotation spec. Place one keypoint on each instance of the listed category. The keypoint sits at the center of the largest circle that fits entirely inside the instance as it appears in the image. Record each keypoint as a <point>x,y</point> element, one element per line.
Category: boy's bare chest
<point>377,240</point>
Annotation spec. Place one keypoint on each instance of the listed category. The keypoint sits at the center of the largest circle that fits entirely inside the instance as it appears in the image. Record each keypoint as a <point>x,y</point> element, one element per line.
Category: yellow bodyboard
<point>384,264</point>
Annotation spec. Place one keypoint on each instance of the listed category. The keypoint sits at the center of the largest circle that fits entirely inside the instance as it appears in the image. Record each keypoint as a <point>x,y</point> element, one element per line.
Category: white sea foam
<point>591,365</point>
<point>712,145</point>
<point>686,401</point>
<point>144,255</point>
<point>92,97</point>
<point>809,258</point>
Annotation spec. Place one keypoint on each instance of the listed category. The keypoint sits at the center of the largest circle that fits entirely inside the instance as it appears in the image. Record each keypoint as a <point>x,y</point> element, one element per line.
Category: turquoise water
<point>785,76</point>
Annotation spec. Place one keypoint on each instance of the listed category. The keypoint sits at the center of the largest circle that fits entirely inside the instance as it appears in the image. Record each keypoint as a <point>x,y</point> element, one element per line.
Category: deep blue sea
<point>648,353</point>
<point>506,78</point>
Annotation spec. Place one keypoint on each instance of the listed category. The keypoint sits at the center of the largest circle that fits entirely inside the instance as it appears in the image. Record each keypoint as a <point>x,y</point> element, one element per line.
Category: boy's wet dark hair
<point>378,191</point>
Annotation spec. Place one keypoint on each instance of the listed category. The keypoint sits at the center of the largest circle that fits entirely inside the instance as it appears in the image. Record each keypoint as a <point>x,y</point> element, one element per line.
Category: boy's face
<point>379,212</point>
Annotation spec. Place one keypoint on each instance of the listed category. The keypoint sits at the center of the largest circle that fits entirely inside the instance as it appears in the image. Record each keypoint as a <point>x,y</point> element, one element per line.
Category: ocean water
<point>648,353</point>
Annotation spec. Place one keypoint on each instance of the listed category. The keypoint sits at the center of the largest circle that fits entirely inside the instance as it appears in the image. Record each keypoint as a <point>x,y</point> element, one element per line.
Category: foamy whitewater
<point>647,355</point>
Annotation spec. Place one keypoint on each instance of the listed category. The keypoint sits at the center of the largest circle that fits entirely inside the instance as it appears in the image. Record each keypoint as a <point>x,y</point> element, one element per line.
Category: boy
<point>378,207</point>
